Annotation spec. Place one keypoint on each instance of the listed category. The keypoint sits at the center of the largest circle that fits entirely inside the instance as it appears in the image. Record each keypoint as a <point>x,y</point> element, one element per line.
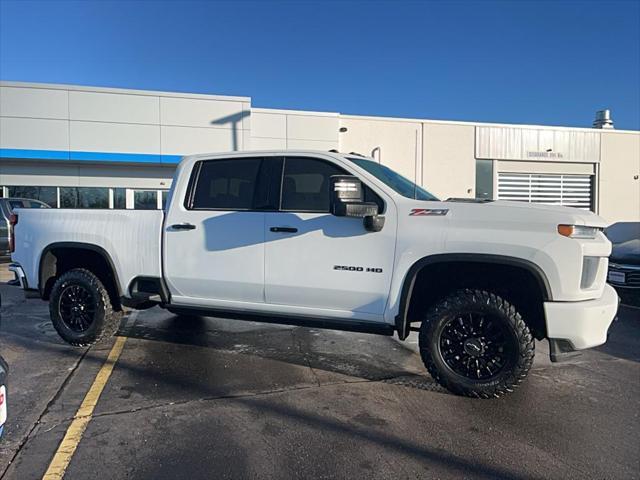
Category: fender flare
<point>401,319</point>
<point>82,246</point>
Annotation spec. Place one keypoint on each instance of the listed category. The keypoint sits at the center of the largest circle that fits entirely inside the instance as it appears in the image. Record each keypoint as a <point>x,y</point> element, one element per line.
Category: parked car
<point>3,394</point>
<point>624,263</point>
<point>7,205</point>
<point>336,241</point>
<point>3,389</point>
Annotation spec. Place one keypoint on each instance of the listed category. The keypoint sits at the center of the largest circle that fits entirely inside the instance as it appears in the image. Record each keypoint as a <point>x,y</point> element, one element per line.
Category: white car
<point>337,241</point>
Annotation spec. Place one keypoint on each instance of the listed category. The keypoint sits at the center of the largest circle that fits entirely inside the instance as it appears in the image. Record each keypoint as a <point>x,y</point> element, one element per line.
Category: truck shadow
<point>358,355</point>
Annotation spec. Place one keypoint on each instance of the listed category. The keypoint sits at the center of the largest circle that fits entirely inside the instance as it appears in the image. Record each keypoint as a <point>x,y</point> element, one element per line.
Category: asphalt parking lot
<point>215,398</point>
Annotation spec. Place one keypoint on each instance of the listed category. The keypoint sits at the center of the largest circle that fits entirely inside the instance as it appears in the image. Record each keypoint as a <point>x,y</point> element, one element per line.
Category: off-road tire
<point>105,321</point>
<point>519,341</point>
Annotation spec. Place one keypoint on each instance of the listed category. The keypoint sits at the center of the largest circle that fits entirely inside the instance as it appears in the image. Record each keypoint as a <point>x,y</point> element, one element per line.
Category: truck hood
<point>517,212</point>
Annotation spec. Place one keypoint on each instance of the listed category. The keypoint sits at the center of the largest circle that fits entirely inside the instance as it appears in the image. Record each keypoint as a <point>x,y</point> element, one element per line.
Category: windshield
<point>397,182</point>
<point>22,203</point>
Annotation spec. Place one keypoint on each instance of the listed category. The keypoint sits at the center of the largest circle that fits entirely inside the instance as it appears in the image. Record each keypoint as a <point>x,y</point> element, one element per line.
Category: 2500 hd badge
<point>350,268</point>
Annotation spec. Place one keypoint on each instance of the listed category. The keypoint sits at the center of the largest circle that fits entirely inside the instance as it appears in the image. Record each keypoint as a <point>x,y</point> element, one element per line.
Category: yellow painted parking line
<point>72,438</point>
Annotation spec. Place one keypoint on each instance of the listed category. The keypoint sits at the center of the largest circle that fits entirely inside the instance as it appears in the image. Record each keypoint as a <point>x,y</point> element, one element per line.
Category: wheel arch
<point>51,257</point>
<point>402,320</point>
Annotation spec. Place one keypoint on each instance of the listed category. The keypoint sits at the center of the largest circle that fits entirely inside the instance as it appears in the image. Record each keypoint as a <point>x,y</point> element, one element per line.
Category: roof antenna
<point>373,154</point>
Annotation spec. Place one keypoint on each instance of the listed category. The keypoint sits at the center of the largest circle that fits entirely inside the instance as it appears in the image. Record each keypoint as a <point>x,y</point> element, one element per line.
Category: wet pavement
<point>216,398</point>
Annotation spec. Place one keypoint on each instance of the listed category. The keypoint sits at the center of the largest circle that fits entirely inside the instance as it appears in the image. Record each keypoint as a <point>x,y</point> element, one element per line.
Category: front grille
<point>631,275</point>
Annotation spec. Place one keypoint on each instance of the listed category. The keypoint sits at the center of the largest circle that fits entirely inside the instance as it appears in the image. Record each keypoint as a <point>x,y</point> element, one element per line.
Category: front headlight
<point>578,231</point>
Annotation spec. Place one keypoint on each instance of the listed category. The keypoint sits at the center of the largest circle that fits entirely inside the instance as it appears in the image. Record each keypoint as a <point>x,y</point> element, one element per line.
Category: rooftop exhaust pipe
<point>603,119</point>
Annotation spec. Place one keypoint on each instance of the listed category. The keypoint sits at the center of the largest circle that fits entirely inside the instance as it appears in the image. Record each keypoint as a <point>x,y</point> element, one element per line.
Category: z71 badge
<point>424,212</point>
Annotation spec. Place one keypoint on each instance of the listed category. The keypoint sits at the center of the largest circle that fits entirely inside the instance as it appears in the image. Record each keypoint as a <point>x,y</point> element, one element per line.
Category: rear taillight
<point>13,221</point>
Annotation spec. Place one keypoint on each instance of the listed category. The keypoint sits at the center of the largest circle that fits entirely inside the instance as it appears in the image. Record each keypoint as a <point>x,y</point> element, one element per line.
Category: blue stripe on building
<point>88,156</point>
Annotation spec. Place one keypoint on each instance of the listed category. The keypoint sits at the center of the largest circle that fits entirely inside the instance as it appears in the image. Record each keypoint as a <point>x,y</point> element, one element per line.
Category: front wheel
<point>81,309</point>
<point>475,343</point>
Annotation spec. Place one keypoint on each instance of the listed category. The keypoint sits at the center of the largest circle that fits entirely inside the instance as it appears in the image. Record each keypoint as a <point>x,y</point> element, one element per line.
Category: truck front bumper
<point>575,326</point>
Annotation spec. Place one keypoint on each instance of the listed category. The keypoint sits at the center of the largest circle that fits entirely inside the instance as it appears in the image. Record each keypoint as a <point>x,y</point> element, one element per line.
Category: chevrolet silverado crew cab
<point>337,241</point>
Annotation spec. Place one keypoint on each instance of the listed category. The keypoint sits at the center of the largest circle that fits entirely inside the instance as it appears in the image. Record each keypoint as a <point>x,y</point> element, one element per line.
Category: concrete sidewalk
<point>5,274</point>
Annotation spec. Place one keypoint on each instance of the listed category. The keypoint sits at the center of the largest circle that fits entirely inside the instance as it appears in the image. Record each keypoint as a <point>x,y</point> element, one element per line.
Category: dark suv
<point>624,262</point>
<point>3,393</point>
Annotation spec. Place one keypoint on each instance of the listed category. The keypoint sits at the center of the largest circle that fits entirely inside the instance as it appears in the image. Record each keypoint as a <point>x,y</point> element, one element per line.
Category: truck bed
<point>131,237</point>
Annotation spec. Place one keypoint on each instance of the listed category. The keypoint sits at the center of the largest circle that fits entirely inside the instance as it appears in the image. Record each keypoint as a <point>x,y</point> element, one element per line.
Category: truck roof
<point>257,153</point>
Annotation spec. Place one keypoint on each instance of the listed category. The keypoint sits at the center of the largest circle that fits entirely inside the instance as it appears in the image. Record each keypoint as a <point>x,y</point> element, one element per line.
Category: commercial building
<point>76,146</point>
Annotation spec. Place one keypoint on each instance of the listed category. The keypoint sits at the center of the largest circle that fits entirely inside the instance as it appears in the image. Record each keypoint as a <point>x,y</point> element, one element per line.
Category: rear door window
<point>226,184</point>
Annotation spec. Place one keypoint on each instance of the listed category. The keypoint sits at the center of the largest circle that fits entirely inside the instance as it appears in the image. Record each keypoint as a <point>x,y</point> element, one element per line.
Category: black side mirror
<point>347,200</point>
<point>374,223</point>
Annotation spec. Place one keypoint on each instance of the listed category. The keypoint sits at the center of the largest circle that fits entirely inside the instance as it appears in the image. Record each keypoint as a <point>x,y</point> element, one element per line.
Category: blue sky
<point>540,62</point>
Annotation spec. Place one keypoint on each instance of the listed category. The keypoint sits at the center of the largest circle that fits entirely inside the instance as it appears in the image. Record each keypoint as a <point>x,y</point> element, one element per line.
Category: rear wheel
<point>81,309</point>
<point>475,343</point>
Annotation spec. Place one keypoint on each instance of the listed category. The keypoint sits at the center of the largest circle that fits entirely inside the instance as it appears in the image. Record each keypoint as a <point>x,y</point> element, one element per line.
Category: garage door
<point>552,189</point>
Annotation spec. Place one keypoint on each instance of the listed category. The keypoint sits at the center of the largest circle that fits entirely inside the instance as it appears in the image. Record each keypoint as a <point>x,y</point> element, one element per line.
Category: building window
<point>90,197</point>
<point>484,179</point>
<point>68,197</point>
<point>145,199</point>
<point>48,195</point>
<point>84,197</point>
<point>120,198</point>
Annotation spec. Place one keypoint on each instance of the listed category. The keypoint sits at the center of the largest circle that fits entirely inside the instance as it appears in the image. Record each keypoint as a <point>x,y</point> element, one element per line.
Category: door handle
<point>284,229</point>
<point>183,226</point>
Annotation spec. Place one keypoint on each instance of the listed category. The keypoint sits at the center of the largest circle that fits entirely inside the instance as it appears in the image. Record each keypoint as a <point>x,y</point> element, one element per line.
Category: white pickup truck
<point>337,241</point>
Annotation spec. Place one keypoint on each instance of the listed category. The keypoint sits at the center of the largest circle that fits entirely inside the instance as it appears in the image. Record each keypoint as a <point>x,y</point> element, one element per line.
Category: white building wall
<point>541,144</point>
<point>437,156</point>
<point>34,102</point>
<point>86,119</point>
<point>68,174</point>
<point>186,141</point>
<point>619,185</point>
<point>34,133</point>
<point>291,129</point>
<point>448,162</point>
<point>394,142</point>
<point>112,137</point>
<point>113,107</point>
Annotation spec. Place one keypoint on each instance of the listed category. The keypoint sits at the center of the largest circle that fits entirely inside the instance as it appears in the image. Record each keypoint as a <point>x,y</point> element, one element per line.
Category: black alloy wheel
<point>81,309</point>
<point>77,307</point>
<point>476,343</point>
<point>477,346</point>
